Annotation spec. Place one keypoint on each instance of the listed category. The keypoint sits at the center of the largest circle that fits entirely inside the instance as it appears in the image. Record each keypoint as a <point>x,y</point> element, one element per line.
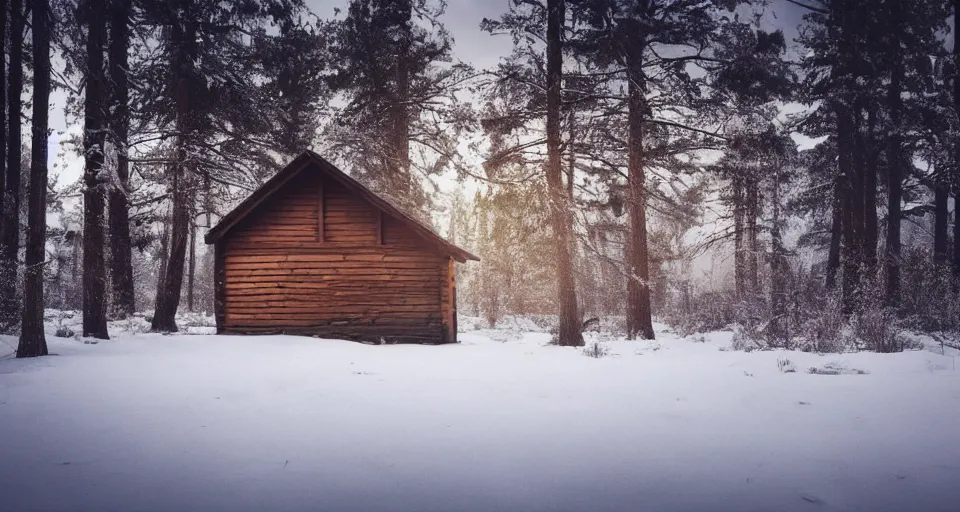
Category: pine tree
<point>753,77</point>
<point>651,46</point>
<point>569,332</point>
<point>10,225</point>
<point>33,343</point>
<point>956,144</point>
<point>5,290</point>
<point>215,90</point>
<point>121,266</point>
<point>398,79</point>
<point>95,175</point>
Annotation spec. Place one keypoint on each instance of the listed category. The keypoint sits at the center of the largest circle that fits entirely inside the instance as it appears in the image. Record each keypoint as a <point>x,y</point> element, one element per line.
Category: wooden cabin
<point>314,252</point>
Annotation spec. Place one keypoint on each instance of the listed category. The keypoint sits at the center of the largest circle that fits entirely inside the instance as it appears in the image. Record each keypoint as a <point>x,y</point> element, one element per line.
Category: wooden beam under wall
<point>320,233</point>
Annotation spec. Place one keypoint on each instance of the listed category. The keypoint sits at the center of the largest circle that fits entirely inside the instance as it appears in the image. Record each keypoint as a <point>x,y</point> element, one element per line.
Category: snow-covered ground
<point>501,421</point>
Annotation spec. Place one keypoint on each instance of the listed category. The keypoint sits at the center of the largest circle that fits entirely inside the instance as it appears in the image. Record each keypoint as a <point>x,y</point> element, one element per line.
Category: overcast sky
<point>471,45</point>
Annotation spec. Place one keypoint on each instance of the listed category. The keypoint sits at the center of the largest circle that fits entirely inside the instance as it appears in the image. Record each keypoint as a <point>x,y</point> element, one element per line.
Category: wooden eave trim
<point>329,170</point>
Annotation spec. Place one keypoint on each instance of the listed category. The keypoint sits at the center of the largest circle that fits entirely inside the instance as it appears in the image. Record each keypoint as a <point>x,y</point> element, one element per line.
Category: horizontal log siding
<point>279,278</point>
<point>290,216</point>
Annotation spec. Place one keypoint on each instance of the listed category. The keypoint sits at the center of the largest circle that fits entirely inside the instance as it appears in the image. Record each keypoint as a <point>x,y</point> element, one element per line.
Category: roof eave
<point>295,167</point>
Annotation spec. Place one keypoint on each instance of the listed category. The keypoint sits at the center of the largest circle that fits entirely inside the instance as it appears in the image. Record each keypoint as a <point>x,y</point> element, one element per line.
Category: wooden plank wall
<point>280,277</point>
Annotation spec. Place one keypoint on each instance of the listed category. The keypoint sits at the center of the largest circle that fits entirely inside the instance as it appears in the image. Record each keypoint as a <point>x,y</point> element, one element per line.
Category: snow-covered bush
<point>786,366</point>
<point>835,368</point>
<point>875,329</point>
<point>748,338</point>
<point>596,350</point>
<point>693,313</point>
<point>825,332</point>
<point>930,295</point>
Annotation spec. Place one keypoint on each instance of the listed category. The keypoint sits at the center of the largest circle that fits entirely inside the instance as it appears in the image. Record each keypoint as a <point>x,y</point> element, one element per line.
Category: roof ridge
<point>297,165</point>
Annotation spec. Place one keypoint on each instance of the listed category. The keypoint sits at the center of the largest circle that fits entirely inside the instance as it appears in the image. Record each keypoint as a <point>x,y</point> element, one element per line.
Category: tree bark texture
<point>894,186</point>
<point>3,132</point>
<point>191,267</point>
<point>753,234</point>
<point>739,249</point>
<point>639,314</point>
<point>956,156</point>
<point>121,264</point>
<point>836,235</point>
<point>779,272</point>
<point>852,218</point>
<point>10,229</point>
<point>33,343</point>
<point>95,126</point>
<point>569,333</point>
<point>868,170</point>
<point>847,110</point>
<point>941,194</point>
<point>184,34</point>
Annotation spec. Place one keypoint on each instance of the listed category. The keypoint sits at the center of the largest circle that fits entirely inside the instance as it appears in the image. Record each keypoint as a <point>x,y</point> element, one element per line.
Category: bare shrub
<point>596,350</point>
<point>930,297</point>
<point>748,338</point>
<point>874,330</point>
<point>785,366</point>
<point>825,332</point>
<point>693,313</point>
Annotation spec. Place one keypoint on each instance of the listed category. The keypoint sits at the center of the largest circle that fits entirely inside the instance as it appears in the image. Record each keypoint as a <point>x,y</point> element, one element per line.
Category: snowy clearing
<point>499,422</point>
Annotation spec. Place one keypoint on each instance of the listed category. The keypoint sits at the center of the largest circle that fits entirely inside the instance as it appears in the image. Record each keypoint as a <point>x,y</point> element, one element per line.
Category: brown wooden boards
<point>316,259</point>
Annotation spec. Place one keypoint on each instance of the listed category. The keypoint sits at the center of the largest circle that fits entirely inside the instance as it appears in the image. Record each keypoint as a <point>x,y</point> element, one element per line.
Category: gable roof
<point>309,159</point>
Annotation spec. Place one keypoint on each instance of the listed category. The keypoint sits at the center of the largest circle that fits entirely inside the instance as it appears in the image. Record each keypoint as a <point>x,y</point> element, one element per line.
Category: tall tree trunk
<point>32,340</point>
<point>183,171</point>
<point>779,270</point>
<point>569,332</point>
<point>164,252</point>
<point>851,200</point>
<point>168,291</point>
<point>121,264</point>
<point>95,124</point>
<point>871,223</point>
<point>836,235</point>
<point>191,267</point>
<point>10,228</point>
<point>739,248</point>
<point>956,155</point>
<point>752,232</point>
<point>894,185</point>
<point>847,110</point>
<point>3,144</point>
<point>941,194</point>
<point>639,314</point>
